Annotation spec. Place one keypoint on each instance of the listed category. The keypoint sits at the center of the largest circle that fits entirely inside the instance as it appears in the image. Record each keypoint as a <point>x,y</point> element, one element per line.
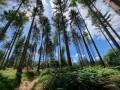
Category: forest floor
<point>27,85</point>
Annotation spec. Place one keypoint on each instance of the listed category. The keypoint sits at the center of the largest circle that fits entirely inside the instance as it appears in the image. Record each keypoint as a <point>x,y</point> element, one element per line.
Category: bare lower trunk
<point>19,70</point>
<point>5,55</point>
<point>93,42</point>
<point>88,51</point>
<point>109,43</point>
<point>39,57</point>
<point>7,60</point>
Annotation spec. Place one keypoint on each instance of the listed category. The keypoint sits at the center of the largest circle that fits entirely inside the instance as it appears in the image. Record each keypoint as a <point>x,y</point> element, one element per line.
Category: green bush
<point>66,81</point>
<point>116,82</point>
<point>28,75</point>
<point>8,79</point>
<point>74,78</point>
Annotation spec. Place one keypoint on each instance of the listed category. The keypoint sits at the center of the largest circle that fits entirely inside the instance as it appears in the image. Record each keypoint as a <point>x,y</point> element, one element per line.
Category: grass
<point>8,78</point>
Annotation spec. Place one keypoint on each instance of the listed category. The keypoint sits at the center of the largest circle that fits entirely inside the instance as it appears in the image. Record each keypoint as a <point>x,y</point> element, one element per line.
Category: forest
<point>59,44</point>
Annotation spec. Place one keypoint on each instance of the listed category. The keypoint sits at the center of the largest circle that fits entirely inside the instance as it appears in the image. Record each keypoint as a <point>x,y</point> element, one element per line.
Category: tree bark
<point>107,23</point>
<point>4,67</point>
<point>26,46</point>
<point>88,51</point>
<point>92,41</point>
<point>115,4</point>
<point>109,43</point>
<point>5,55</point>
<point>39,57</point>
<point>66,40</point>
<point>105,29</point>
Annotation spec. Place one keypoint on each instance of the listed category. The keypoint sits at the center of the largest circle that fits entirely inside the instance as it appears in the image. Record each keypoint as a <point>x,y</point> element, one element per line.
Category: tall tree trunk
<point>7,60</point>
<point>5,55</point>
<point>43,57</point>
<point>81,46</point>
<point>105,29</point>
<point>93,53</point>
<point>88,51</point>
<point>93,41</point>
<point>60,51</point>
<point>39,57</point>
<point>66,40</point>
<point>9,22</point>
<point>109,43</point>
<point>19,70</point>
<point>79,53</point>
<point>14,39</point>
<point>107,23</point>
<point>115,4</point>
<point>67,49</point>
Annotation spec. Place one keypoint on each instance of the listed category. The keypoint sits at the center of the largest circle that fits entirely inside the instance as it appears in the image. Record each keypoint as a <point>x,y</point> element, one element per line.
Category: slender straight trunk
<point>67,49</point>
<point>39,61</point>
<point>88,51</point>
<point>105,29</point>
<point>79,53</point>
<point>81,46</point>
<point>39,57</point>
<point>7,60</point>
<point>19,70</point>
<point>107,22</point>
<point>43,57</point>
<point>5,55</point>
<point>9,22</point>
<point>58,54</point>
<point>109,43</point>
<point>93,41</point>
<point>115,4</point>
<point>60,51</point>
<point>92,51</point>
<point>65,36</point>
<point>15,65</point>
<point>111,46</point>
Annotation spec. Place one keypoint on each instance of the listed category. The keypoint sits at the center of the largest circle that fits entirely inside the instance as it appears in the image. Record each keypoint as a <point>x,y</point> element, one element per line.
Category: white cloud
<point>74,61</point>
<point>77,55</point>
<point>44,2</point>
<point>55,54</point>
<point>97,58</point>
<point>115,22</point>
<point>52,5</point>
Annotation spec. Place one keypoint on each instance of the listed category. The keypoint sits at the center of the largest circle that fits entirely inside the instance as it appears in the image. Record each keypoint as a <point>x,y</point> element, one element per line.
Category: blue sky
<point>98,38</point>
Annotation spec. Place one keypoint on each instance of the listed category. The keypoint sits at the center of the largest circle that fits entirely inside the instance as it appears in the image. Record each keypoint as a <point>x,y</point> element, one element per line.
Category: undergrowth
<point>89,78</point>
<point>8,80</point>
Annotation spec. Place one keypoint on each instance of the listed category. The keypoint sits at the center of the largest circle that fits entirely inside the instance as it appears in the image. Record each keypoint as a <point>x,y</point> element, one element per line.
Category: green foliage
<point>1,54</point>
<point>110,57</point>
<point>115,82</point>
<point>28,75</point>
<point>3,3</point>
<point>42,79</point>
<point>75,78</point>
<point>8,79</point>
<point>54,63</point>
